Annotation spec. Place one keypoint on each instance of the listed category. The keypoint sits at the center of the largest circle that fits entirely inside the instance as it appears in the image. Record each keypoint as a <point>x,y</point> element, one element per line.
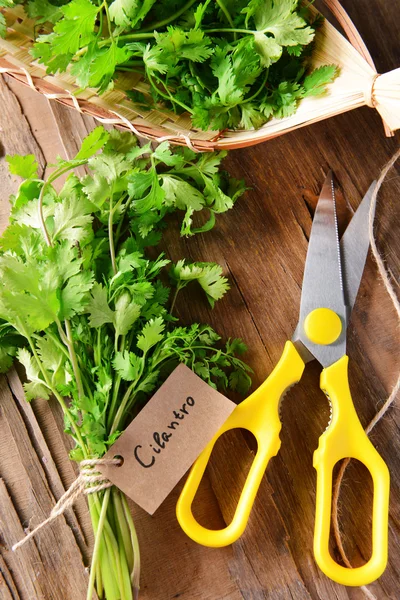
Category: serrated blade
<point>322,281</point>
<point>354,249</point>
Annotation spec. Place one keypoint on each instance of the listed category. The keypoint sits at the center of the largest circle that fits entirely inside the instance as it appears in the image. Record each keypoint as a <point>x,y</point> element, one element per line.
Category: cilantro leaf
<point>122,142</point>
<point>97,67</point>
<point>240,381</point>
<point>129,12</point>
<point>213,283</point>
<point>163,154</point>
<point>152,333</point>
<point>315,83</point>
<point>36,388</point>
<point>92,143</point>
<point>97,189</point>
<point>208,275</point>
<point>127,365</point>
<point>268,49</point>
<point>23,166</point>
<point>6,358</point>
<point>110,166</point>
<point>222,68</point>
<point>76,29</point>
<point>281,20</point>
<point>181,194</point>
<point>98,308</point>
<point>72,220</point>
<point>177,44</point>
<point>74,296</point>
<point>251,119</point>
<point>126,313</point>
<point>44,11</point>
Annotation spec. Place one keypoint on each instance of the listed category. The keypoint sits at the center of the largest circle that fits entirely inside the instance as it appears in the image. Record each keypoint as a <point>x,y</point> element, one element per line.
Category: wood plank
<point>8,590</point>
<point>41,120</point>
<point>58,480</point>
<point>15,138</point>
<point>38,570</point>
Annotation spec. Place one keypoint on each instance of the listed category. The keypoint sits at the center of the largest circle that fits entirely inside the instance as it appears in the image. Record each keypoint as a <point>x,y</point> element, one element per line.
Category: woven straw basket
<point>357,85</point>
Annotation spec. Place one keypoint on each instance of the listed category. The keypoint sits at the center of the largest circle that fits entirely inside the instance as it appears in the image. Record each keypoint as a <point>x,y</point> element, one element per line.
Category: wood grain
<point>262,245</point>
<point>26,499</point>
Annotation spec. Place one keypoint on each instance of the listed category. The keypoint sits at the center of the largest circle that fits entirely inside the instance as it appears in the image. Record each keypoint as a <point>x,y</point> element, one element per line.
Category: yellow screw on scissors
<point>328,294</point>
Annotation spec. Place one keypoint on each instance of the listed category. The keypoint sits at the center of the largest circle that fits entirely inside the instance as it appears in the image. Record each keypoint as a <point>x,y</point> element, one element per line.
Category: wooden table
<point>262,245</point>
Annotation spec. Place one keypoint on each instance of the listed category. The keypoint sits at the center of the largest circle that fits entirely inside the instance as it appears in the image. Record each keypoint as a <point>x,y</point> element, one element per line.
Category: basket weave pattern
<point>114,107</point>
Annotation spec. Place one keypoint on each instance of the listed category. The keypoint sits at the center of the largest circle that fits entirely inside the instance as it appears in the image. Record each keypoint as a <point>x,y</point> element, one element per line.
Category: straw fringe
<point>357,85</point>
<point>89,481</point>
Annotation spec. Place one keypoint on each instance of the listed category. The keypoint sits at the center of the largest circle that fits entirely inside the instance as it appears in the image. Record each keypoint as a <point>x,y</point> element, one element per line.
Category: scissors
<point>332,276</point>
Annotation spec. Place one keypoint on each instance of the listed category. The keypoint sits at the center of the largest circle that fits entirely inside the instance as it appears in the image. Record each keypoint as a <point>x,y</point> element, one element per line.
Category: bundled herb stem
<point>86,310</point>
<point>229,63</point>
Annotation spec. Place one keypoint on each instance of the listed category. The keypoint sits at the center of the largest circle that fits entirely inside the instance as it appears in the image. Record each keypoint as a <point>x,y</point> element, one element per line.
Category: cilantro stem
<point>123,527</point>
<point>56,394</point>
<point>260,89</point>
<point>147,32</point>
<point>227,15</point>
<point>167,96</point>
<point>73,359</point>
<point>231,30</point>
<point>97,542</point>
<point>135,545</point>
<point>100,30</point>
<point>111,239</point>
<point>116,387</point>
<point>173,17</point>
<point>128,36</point>
<point>111,543</point>
<point>122,406</point>
<point>41,216</point>
<point>105,563</point>
<point>178,289</point>
<point>105,5</point>
<point>119,226</point>
<point>114,400</point>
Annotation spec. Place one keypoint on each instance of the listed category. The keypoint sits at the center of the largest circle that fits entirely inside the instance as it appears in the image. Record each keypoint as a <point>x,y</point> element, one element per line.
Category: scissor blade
<point>354,249</point>
<point>322,281</point>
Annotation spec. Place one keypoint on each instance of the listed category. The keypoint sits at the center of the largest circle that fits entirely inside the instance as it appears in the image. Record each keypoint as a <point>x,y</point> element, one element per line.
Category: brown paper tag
<point>166,437</point>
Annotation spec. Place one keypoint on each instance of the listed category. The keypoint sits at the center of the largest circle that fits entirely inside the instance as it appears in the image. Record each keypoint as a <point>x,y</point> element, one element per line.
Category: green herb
<point>229,63</point>
<point>86,310</point>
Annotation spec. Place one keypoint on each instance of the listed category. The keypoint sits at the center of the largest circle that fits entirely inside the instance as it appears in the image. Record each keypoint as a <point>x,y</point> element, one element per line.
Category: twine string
<point>392,397</point>
<point>369,93</point>
<point>89,481</point>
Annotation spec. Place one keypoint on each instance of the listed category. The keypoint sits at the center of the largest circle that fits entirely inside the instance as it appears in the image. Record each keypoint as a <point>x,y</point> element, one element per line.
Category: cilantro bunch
<point>86,308</point>
<point>229,63</point>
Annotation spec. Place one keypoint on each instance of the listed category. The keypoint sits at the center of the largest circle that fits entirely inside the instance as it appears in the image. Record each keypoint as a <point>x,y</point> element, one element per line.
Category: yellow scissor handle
<point>344,438</point>
<point>259,414</point>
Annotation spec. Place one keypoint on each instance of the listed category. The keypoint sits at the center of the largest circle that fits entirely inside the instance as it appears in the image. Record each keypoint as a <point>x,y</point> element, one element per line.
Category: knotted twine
<point>89,481</point>
<point>392,397</point>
